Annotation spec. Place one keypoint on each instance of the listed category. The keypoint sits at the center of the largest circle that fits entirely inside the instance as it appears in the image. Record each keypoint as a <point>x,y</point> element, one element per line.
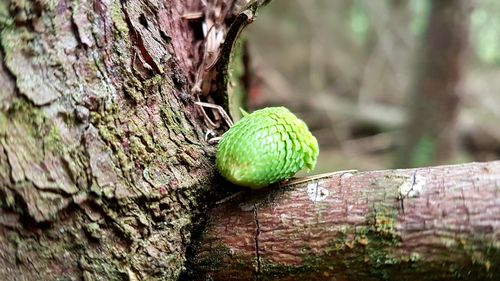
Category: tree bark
<point>430,136</point>
<point>103,160</point>
<point>440,223</point>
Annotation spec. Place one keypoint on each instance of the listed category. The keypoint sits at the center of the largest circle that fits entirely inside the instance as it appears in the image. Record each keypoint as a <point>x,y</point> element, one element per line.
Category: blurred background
<point>383,84</point>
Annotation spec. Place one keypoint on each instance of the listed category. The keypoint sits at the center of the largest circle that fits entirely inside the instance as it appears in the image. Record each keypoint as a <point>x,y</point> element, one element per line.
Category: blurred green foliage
<point>485,27</point>
<point>359,22</point>
<point>421,11</point>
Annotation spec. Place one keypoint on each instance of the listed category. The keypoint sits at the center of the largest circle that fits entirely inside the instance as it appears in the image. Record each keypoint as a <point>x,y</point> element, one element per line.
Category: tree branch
<point>429,223</point>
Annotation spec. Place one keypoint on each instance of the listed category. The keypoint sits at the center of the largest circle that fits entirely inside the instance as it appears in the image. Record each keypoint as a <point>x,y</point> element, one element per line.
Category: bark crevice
<point>257,233</point>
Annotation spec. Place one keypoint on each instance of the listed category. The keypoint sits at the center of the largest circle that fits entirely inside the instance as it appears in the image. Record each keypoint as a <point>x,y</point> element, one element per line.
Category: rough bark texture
<point>440,223</point>
<point>430,135</point>
<point>103,163</point>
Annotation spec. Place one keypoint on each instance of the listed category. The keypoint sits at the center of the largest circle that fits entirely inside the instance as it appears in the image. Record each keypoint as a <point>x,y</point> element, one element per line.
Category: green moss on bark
<point>371,252</point>
<point>118,21</point>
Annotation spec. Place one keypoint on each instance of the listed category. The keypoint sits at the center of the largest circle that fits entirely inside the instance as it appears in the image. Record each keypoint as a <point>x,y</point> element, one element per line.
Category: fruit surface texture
<point>264,147</point>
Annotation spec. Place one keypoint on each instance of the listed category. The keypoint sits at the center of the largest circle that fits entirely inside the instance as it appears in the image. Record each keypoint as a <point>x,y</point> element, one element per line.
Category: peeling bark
<point>103,160</point>
<point>439,223</point>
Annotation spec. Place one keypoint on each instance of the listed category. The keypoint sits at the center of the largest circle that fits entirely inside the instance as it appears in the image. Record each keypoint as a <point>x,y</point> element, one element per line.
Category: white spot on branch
<point>413,187</point>
<point>316,193</point>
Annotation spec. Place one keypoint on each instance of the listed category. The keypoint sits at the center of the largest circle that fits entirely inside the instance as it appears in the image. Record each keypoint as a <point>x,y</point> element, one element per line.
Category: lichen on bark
<point>437,223</point>
<point>103,161</point>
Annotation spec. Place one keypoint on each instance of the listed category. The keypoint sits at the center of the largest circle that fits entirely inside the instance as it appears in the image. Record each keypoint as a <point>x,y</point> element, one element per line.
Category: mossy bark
<point>103,160</point>
<point>440,223</point>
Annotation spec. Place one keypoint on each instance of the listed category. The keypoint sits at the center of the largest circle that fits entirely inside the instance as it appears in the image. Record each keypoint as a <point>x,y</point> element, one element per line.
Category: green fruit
<point>265,147</point>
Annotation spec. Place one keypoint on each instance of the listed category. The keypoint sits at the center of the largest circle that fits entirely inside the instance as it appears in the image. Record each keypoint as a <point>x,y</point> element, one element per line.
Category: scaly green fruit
<point>265,147</point>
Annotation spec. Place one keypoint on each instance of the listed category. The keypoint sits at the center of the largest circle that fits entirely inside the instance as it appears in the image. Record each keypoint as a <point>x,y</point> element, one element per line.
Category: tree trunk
<point>103,160</point>
<point>439,223</point>
<point>431,135</point>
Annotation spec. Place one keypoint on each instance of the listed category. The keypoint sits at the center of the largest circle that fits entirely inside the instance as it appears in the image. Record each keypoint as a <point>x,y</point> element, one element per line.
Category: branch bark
<point>437,223</point>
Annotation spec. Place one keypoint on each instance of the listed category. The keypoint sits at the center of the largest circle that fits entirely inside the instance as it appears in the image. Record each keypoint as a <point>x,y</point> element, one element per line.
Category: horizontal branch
<point>428,223</point>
